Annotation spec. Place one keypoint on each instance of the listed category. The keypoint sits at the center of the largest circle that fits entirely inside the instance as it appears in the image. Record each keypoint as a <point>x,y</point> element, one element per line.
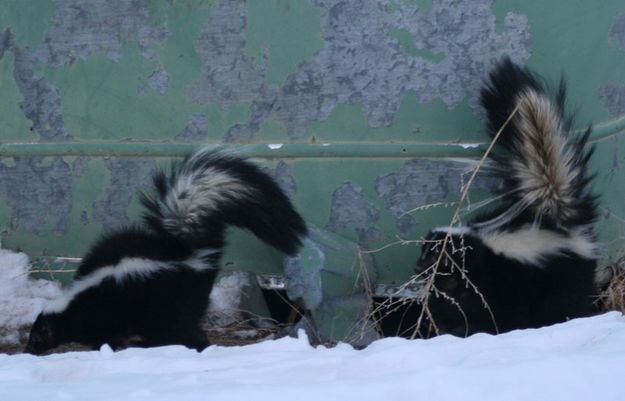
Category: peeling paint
<point>613,99</point>
<point>196,129</point>
<point>84,27</point>
<point>617,31</point>
<point>41,100</point>
<point>39,192</point>
<point>159,81</point>
<point>283,174</point>
<point>84,217</point>
<point>361,61</point>
<point>78,166</point>
<point>423,182</point>
<point>127,177</point>
<point>351,210</point>
<point>303,273</point>
<point>228,76</point>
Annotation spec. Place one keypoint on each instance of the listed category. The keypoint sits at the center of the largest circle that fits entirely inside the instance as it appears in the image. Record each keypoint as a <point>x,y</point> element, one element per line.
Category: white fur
<point>462,230</point>
<point>531,245</point>
<point>140,268</point>
<point>204,191</point>
<point>547,172</point>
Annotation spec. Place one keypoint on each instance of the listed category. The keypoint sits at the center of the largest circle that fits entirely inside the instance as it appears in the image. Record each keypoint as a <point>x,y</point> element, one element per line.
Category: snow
<point>21,298</point>
<point>578,360</point>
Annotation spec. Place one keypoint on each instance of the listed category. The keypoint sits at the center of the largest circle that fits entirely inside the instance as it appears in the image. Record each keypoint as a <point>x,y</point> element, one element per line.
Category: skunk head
<point>44,334</point>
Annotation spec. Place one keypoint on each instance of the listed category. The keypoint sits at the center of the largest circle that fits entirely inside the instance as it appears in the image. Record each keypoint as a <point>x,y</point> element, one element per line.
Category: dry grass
<point>425,323</point>
<point>612,294</point>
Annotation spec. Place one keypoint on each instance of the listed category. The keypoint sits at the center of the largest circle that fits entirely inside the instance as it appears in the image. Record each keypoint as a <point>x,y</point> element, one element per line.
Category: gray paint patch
<point>617,31</point>
<point>159,81</point>
<point>42,100</point>
<point>361,61</point>
<point>423,182</point>
<point>196,129</point>
<point>84,217</point>
<point>127,177</point>
<point>78,166</point>
<point>228,76</point>
<point>39,193</point>
<point>351,210</point>
<point>613,99</point>
<point>283,174</point>
<point>84,27</point>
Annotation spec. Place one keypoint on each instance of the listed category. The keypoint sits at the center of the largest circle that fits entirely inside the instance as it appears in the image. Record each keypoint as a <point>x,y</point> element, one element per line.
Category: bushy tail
<point>210,190</point>
<point>543,170</point>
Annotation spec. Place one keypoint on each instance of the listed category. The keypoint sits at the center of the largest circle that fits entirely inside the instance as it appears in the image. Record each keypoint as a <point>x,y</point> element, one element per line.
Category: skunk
<point>149,285</point>
<point>531,261</point>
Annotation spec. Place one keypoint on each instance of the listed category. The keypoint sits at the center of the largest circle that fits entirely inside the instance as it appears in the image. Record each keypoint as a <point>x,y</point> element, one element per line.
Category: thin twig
<point>429,285</point>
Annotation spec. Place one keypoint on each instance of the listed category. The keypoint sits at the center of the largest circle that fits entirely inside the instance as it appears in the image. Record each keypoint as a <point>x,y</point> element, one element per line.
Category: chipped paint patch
<point>228,75</point>
<point>360,61</point>
<point>423,182</point>
<point>127,177</point>
<point>42,100</point>
<point>613,99</point>
<point>283,174</point>
<point>351,210</point>
<point>275,145</point>
<point>84,27</point>
<point>39,192</point>
<point>303,273</point>
<point>158,81</point>
<point>617,31</point>
<point>196,129</point>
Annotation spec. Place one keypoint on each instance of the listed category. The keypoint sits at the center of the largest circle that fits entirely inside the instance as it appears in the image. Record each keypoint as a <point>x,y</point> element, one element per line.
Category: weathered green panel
<point>366,112</point>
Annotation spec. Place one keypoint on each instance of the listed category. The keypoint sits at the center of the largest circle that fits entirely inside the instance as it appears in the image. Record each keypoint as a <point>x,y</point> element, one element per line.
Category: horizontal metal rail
<point>275,150</point>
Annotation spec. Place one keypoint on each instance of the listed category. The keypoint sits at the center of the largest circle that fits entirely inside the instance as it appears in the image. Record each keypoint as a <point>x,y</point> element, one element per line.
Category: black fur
<point>163,300</point>
<point>517,294</point>
<point>268,214</point>
<point>484,290</point>
<point>499,99</point>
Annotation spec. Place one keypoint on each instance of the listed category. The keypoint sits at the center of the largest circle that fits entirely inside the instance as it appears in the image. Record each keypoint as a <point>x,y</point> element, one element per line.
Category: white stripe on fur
<point>530,244</point>
<point>200,193</point>
<point>139,268</point>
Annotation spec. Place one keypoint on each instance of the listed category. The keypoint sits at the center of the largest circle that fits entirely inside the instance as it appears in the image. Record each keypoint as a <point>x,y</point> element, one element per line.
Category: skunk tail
<point>543,171</point>
<point>210,190</point>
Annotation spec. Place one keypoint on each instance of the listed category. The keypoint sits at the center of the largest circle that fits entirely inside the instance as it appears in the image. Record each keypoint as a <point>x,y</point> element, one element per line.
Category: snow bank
<point>578,360</point>
<point>21,299</point>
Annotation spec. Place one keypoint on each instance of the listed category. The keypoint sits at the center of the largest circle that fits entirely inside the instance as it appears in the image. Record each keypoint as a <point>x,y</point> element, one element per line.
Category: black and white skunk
<point>531,262</point>
<point>150,285</point>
